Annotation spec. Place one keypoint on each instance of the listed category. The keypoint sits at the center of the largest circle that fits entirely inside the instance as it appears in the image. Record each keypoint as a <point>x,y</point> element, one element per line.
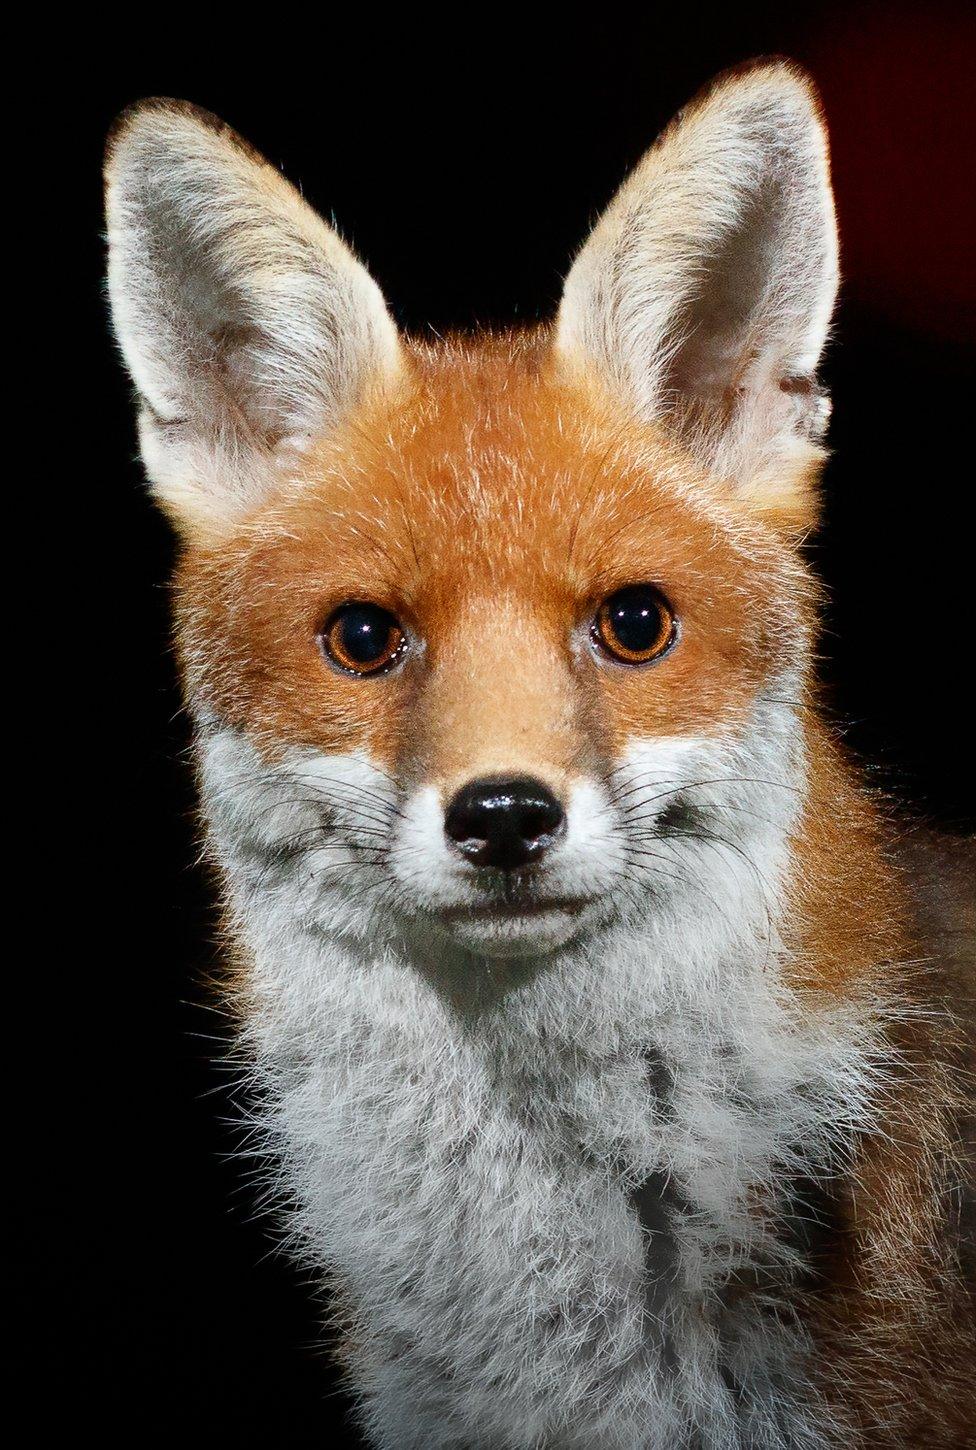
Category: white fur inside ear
<point>705,291</point>
<point>246,323</point>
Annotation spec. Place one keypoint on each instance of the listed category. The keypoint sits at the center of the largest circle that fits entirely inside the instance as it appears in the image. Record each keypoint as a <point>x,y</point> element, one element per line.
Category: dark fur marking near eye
<point>680,816</point>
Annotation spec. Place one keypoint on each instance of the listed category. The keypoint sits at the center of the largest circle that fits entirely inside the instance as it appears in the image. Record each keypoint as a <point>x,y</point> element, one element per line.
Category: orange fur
<point>533,501</point>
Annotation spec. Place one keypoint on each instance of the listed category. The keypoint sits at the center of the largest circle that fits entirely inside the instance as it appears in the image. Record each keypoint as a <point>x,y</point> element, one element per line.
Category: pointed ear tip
<point>157,117</point>
<point>770,75</point>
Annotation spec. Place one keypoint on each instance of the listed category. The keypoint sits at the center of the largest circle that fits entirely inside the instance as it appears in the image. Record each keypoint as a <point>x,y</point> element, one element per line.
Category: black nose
<point>503,821</point>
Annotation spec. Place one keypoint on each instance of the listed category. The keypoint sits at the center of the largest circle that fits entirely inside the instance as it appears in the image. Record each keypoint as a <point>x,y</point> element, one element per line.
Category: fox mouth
<point>519,925</point>
<point>514,908</point>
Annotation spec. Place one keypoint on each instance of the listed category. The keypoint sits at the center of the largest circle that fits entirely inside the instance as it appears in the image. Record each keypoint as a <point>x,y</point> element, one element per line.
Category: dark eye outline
<point>602,633</point>
<point>344,663</point>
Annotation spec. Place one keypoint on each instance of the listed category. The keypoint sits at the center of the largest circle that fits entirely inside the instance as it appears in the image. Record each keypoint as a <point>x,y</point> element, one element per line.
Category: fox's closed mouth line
<point>512,910</point>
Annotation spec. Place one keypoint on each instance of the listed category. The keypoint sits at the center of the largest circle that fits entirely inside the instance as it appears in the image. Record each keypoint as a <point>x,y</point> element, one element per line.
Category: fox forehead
<point>491,504</point>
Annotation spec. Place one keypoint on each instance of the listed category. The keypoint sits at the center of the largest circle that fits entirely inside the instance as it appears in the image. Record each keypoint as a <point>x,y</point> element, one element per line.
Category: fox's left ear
<point>703,296</point>
<point>248,326</point>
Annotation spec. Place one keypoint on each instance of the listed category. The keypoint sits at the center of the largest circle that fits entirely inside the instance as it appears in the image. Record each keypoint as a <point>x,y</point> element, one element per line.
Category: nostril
<point>503,821</point>
<point>540,818</point>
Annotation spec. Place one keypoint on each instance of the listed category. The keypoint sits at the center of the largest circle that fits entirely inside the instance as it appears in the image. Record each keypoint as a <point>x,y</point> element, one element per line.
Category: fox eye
<point>363,638</point>
<point>635,625</point>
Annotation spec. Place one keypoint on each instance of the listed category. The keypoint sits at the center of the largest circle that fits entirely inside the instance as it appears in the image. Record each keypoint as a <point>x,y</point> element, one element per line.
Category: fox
<point>605,1031</point>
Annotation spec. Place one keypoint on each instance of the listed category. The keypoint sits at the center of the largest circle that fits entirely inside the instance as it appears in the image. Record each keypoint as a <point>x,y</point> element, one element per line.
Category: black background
<point>466,161</point>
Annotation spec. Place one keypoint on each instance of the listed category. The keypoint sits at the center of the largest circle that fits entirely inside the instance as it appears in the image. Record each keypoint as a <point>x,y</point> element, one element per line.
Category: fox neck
<point>631,1106</point>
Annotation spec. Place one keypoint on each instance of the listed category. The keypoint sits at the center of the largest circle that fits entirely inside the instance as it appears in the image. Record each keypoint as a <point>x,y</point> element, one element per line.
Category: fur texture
<point>654,1144</point>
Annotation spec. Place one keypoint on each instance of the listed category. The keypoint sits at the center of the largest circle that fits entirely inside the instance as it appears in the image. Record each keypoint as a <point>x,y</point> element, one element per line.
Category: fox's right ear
<point>703,296</point>
<point>247,325</point>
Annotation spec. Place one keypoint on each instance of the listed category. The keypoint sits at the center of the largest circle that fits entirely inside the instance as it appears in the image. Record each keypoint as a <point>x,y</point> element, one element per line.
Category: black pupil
<point>635,617</point>
<point>365,631</point>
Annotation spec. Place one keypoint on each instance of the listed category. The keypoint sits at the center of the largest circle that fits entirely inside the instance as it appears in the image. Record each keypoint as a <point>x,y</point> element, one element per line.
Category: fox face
<point>498,643</point>
<point>523,652</point>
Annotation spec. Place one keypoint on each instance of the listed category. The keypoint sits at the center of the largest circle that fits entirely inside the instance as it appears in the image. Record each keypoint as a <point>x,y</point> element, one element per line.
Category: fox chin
<point>595,1009</point>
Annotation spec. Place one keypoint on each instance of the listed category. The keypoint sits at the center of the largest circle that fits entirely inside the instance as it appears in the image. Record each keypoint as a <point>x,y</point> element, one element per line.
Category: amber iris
<point>363,638</point>
<point>635,625</point>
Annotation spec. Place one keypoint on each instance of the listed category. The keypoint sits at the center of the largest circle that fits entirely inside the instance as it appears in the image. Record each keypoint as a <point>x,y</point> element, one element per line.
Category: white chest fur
<point>544,1197</point>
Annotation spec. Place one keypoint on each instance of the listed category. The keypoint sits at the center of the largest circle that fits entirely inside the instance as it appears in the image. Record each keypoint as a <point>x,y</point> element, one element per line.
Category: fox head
<point>499,642</point>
